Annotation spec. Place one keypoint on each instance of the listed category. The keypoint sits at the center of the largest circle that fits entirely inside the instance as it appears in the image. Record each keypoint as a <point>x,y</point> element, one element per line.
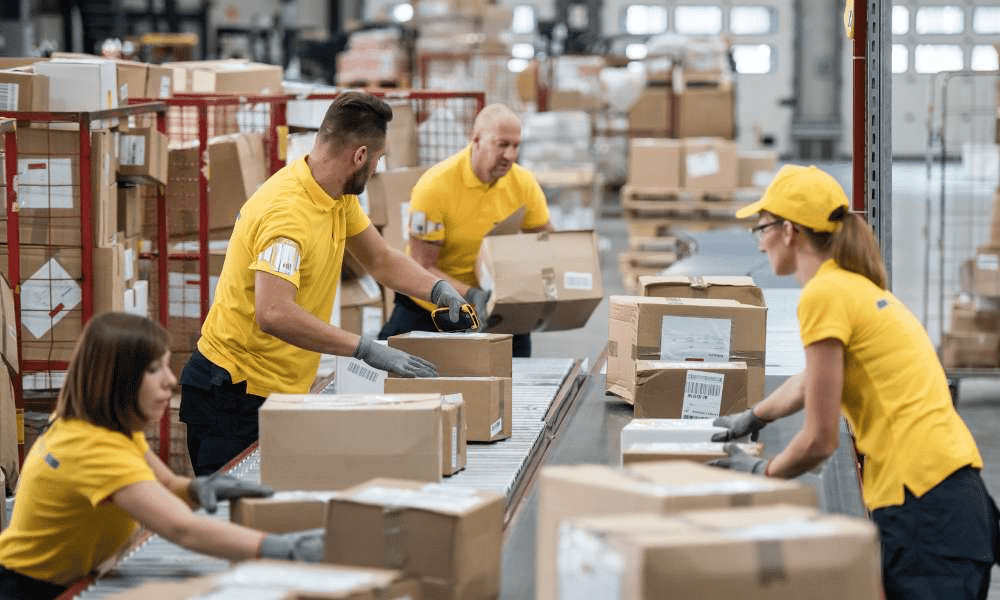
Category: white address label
<point>695,338</point>
<point>496,427</point>
<point>578,281</point>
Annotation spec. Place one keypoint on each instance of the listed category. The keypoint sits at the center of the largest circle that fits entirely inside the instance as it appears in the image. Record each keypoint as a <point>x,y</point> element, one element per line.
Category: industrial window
<point>933,58</point>
<point>751,20</point>
<point>402,13</point>
<point>900,58</point>
<point>940,20</point>
<point>636,51</point>
<point>526,51</point>
<point>984,58</point>
<point>698,20</point>
<point>524,19</point>
<point>642,19</point>
<point>900,20</point>
<point>753,59</point>
<point>986,19</point>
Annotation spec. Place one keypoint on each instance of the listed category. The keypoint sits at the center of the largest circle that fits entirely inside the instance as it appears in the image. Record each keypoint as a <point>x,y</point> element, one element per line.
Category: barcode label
<point>496,427</point>
<point>702,395</point>
<point>578,281</point>
<point>9,96</point>
<point>360,370</point>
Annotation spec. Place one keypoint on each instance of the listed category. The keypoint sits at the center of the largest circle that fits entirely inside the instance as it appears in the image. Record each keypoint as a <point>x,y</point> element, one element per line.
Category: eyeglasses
<point>758,231</point>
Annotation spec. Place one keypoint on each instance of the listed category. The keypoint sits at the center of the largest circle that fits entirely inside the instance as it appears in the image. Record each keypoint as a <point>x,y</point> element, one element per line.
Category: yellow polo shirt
<point>64,523</point>
<point>895,393</point>
<point>293,229</point>
<point>449,204</point>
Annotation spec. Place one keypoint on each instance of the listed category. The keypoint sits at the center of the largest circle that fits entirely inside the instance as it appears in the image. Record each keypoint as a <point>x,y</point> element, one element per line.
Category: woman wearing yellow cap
<point>869,357</point>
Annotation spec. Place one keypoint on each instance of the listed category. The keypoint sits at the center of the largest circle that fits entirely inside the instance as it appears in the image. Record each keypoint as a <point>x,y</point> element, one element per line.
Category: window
<point>900,20</point>
<point>698,20</point>
<point>402,12</point>
<point>636,51</point>
<point>751,20</point>
<point>525,51</point>
<point>641,19</point>
<point>753,59</point>
<point>933,58</point>
<point>940,19</point>
<point>524,19</point>
<point>984,58</point>
<point>900,58</point>
<point>986,19</point>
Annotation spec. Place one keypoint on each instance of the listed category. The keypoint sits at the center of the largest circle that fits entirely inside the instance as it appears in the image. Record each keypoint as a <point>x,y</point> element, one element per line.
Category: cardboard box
<point>453,451</point>
<point>643,328</point>
<point>655,164</point>
<point>131,77</point>
<point>668,431</point>
<point>980,276</point>
<point>142,155</point>
<point>710,166</point>
<point>24,90</point>
<point>705,112</point>
<point>401,138</point>
<point>540,281</point>
<point>970,350</point>
<point>699,452</point>
<point>652,113</point>
<point>460,354</point>
<point>80,84</point>
<point>370,66</point>
<point>8,323</point>
<point>389,203</point>
<point>755,168</point>
<point>330,442</point>
<point>689,390</point>
<point>159,82</point>
<point>283,512</point>
<point>568,492</point>
<point>230,77</point>
<point>488,401</point>
<point>759,553</point>
<point>10,464</point>
<point>130,207</point>
<point>392,524</point>
<point>967,317</point>
<point>361,306</point>
<point>716,287</point>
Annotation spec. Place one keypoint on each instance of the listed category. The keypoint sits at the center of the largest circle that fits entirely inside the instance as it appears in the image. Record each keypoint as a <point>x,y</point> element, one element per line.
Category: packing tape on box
<point>754,358</point>
<point>393,537</point>
<point>771,562</point>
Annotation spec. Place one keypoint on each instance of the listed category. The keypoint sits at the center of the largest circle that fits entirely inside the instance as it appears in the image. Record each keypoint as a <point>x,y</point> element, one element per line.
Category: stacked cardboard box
<point>10,435</point>
<point>375,57</point>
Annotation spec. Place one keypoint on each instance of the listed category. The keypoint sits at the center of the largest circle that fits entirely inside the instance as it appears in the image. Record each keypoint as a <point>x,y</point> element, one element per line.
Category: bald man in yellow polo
<point>456,203</point>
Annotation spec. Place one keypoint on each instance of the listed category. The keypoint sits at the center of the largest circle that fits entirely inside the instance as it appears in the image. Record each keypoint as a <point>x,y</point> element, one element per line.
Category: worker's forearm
<point>405,275</point>
<point>789,398</point>
<point>294,325</point>
<point>803,453</point>
<point>181,487</point>
<point>216,537</point>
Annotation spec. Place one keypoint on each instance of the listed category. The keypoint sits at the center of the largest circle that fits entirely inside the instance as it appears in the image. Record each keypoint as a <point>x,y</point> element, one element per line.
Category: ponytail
<point>853,247</point>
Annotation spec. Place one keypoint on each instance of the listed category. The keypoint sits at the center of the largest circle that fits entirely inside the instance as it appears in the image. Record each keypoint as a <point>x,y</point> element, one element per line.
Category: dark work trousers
<point>14,586</point>
<point>942,545</point>
<point>221,416</point>
<point>409,316</point>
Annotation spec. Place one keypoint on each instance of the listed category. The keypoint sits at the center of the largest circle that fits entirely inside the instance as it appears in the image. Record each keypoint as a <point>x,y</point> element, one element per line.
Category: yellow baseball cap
<point>803,195</point>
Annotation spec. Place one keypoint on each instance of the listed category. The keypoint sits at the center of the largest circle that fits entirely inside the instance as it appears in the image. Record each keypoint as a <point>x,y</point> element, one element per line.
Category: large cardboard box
<point>968,317</point>
<point>230,77</point>
<point>652,112</point>
<point>488,401</point>
<point>644,328</point>
<point>698,452</point>
<point>24,90</point>
<point>389,203</point>
<point>540,281</point>
<point>448,539</point>
<point>80,84</point>
<point>655,164</point>
<point>401,138</point>
<point>568,492</point>
<point>460,354</point>
<point>159,82</point>
<point>142,155</point>
<point>758,553</point>
<point>755,168</point>
<point>710,166</point>
<point>689,390</point>
<point>330,442</point>
<point>716,287</point>
<point>130,207</point>
<point>980,276</point>
<point>8,323</point>
<point>10,464</point>
<point>131,78</point>
<point>705,112</point>
<point>283,512</point>
<point>970,350</point>
<point>361,306</point>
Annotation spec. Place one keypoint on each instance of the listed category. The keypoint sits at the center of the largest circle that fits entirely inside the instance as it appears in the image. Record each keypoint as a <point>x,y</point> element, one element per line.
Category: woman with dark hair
<point>91,477</point>
<point>869,357</point>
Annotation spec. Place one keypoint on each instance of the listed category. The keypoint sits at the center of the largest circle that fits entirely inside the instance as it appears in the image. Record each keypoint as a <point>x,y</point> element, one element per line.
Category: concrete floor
<point>591,433</point>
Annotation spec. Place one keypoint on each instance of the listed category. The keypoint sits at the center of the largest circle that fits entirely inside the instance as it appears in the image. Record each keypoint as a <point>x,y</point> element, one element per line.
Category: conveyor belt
<point>542,389</point>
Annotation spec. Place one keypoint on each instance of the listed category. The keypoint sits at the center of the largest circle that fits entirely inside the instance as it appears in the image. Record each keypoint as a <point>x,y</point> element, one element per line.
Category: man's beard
<point>357,182</point>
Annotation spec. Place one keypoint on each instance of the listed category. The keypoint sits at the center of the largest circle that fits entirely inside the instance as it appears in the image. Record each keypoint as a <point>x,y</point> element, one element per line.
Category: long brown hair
<point>107,368</point>
<point>853,247</point>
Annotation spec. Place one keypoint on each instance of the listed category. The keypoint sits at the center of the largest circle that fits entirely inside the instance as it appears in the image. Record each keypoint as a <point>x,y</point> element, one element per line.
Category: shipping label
<point>45,182</point>
<point>47,297</point>
<point>578,281</point>
<point>702,164</point>
<point>695,338</point>
<point>702,395</point>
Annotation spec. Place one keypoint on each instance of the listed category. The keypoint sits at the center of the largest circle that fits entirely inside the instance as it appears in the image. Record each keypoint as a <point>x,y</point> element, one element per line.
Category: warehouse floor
<point>591,433</point>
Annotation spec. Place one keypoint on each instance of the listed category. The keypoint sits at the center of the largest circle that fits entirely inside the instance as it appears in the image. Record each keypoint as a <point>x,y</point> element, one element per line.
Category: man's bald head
<point>496,137</point>
<point>493,116</point>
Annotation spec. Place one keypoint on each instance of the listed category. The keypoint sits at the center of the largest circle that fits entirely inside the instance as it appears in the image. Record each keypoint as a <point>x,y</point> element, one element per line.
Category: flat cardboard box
<point>10,464</point>
<point>389,203</point>
<point>540,281</point>
<point>460,354</point>
<point>330,442</point>
<point>709,166</point>
<point>715,287</point>
<point>643,328</point>
<point>488,401</point>
<point>283,512</point>
<point>394,524</point>
<point>80,84</point>
<point>8,324</point>
<point>672,431</point>
<point>755,168</point>
<point>689,390</point>
<point>652,113</point>
<point>759,553</point>
<point>699,452</point>
<point>705,112</point>
<point>24,90</point>
<point>655,164</point>
<point>568,492</point>
<point>142,155</point>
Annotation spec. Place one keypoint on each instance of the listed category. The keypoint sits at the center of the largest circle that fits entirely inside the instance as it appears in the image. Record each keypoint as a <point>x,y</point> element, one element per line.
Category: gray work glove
<point>209,489</point>
<point>393,360</point>
<point>304,545</point>
<point>478,299</point>
<point>739,425</point>
<point>443,294</point>
<point>738,460</point>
